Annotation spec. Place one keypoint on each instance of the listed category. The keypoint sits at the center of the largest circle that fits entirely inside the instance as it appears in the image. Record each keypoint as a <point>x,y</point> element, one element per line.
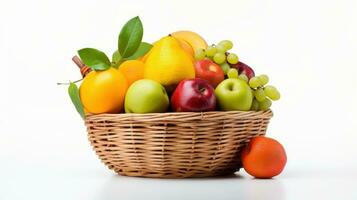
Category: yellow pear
<point>168,63</point>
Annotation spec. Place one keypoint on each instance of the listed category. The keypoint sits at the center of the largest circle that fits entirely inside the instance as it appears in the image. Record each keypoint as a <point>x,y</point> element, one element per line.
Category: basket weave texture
<point>174,145</point>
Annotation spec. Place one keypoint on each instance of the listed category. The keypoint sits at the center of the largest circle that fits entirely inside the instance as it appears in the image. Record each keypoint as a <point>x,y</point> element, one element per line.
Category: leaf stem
<point>70,82</point>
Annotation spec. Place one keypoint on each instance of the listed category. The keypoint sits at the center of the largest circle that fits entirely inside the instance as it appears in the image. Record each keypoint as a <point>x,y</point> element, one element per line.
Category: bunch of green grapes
<point>218,54</point>
<point>263,93</point>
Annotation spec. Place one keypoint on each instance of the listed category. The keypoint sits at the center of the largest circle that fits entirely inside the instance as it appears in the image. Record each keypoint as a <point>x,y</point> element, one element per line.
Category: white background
<point>308,48</point>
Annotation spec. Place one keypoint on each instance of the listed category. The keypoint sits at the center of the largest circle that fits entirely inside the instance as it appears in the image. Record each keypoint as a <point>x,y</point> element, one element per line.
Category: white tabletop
<point>83,180</point>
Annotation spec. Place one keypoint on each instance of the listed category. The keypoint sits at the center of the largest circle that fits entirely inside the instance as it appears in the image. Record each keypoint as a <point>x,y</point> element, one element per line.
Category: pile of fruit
<point>177,73</point>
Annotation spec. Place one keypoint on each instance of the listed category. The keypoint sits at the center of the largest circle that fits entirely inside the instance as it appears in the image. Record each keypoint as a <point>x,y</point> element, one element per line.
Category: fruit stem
<point>83,68</point>
<point>202,90</point>
<point>78,62</point>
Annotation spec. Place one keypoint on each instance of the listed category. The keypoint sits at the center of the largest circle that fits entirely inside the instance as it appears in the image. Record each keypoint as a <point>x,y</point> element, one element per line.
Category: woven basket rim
<point>242,114</point>
<point>180,113</point>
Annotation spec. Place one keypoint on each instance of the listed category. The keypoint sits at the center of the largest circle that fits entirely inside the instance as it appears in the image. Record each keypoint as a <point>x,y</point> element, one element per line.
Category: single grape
<point>254,82</point>
<point>232,73</point>
<point>227,44</point>
<point>259,94</point>
<point>264,79</point>
<point>232,58</point>
<point>265,104</point>
<point>225,67</point>
<point>272,92</point>
<point>221,49</point>
<point>243,77</point>
<point>255,105</point>
<point>200,54</point>
<point>219,58</point>
<point>210,51</point>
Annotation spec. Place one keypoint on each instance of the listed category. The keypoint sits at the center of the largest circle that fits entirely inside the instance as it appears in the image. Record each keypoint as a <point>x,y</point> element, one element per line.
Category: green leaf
<point>94,58</point>
<point>142,50</point>
<point>74,94</point>
<point>130,37</point>
<point>116,57</point>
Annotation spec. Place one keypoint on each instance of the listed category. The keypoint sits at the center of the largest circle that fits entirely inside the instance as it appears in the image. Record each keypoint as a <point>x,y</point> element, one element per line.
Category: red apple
<point>245,69</point>
<point>193,95</point>
<point>210,71</point>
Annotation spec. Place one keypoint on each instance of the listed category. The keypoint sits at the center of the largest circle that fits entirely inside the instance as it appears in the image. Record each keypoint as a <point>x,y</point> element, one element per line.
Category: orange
<point>103,91</point>
<point>263,157</point>
<point>133,70</point>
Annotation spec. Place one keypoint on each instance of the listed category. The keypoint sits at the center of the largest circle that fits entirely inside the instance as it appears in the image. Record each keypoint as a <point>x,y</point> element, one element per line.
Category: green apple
<point>146,96</point>
<point>234,94</point>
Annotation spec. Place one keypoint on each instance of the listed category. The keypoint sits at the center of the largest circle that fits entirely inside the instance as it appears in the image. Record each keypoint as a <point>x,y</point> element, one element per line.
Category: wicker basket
<point>174,145</point>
